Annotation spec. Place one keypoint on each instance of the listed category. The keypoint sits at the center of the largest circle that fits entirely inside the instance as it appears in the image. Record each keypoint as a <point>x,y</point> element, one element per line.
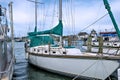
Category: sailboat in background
<point>6,49</point>
<point>44,53</point>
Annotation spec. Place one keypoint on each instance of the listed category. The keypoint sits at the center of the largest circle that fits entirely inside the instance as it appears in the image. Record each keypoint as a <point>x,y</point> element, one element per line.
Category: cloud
<point>88,13</point>
<point>84,13</point>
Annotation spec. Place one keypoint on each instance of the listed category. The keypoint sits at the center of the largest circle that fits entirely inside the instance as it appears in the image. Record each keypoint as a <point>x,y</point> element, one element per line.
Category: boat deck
<point>86,55</point>
<point>69,53</point>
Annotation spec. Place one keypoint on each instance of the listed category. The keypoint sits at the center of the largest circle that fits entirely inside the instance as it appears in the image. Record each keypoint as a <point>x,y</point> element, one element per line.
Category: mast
<point>60,10</point>
<point>11,24</point>
<point>36,2</point>
<point>35,16</point>
<point>107,6</point>
<point>60,18</point>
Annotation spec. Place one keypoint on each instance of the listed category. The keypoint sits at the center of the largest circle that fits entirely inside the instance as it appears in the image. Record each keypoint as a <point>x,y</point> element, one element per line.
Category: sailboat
<point>6,46</point>
<point>69,61</point>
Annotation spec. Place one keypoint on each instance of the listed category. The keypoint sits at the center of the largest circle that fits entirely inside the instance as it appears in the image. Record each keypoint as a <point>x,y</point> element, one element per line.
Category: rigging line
<point>99,60</point>
<point>46,14</point>
<point>65,18</point>
<point>39,16</point>
<point>85,70</point>
<point>53,14</point>
<point>98,13</point>
<point>70,11</point>
<point>105,69</point>
<point>72,19</point>
<point>94,22</point>
<point>43,16</point>
<point>67,13</point>
<point>42,13</point>
<point>68,17</point>
<point>71,15</point>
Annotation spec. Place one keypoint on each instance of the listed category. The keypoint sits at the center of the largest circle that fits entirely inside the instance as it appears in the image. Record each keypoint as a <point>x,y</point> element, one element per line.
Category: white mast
<point>11,24</point>
<point>60,10</point>
<point>60,17</point>
<point>35,13</point>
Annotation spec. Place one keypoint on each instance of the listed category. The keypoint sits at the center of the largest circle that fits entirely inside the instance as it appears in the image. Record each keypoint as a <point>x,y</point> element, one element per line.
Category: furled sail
<point>57,30</point>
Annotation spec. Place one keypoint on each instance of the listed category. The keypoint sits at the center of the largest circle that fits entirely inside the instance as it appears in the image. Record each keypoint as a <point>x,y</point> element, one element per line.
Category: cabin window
<point>54,52</point>
<point>45,51</point>
<point>106,39</point>
<point>34,49</point>
<point>115,44</point>
<point>38,50</point>
<point>64,52</point>
<point>107,44</point>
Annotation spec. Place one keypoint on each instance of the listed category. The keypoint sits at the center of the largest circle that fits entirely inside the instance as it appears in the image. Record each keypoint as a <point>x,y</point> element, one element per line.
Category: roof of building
<point>107,33</point>
<point>82,33</point>
<point>113,34</point>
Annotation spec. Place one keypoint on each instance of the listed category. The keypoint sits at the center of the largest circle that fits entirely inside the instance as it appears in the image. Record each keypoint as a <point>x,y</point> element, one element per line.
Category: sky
<point>77,15</point>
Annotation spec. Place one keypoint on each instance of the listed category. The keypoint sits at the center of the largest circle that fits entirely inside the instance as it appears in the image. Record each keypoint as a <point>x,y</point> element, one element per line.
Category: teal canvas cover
<point>58,30</point>
<point>40,40</point>
<point>36,39</point>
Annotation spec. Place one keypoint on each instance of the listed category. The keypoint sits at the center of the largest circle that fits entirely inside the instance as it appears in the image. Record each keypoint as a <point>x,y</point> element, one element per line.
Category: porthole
<point>64,52</point>
<point>38,50</point>
<point>54,52</point>
<point>45,51</point>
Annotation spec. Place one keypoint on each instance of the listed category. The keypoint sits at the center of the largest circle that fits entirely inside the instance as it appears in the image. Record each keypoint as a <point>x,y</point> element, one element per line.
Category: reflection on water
<point>24,71</point>
<point>21,65</point>
<point>20,71</point>
<point>39,74</point>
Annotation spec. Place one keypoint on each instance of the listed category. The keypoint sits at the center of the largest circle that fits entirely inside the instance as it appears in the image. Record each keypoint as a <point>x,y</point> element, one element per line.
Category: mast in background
<point>36,2</point>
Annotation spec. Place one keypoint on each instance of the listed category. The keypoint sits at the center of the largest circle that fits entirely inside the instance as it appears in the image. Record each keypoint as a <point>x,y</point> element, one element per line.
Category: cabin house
<point>83,36</point>
<point>109,36</point>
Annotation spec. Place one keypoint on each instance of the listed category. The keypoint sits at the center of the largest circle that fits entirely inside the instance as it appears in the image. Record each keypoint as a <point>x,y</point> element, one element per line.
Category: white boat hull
<point>93,68</point>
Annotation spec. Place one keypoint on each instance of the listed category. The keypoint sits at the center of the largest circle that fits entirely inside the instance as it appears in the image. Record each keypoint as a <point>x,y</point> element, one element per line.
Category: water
<point>24,71</point>
<point>21,65</point>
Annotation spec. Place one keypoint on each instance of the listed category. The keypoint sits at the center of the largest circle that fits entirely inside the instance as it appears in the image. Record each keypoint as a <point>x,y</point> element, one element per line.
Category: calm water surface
<point>24,71</point>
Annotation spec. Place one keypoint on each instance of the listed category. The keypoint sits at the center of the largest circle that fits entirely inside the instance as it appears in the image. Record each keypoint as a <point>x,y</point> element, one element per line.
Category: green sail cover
<point>58,30</point>
<point>36,39</point>
<point>40,40</point>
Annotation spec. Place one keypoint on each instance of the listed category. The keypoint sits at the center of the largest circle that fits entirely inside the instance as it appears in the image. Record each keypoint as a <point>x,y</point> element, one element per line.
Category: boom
<point>107,6</point>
